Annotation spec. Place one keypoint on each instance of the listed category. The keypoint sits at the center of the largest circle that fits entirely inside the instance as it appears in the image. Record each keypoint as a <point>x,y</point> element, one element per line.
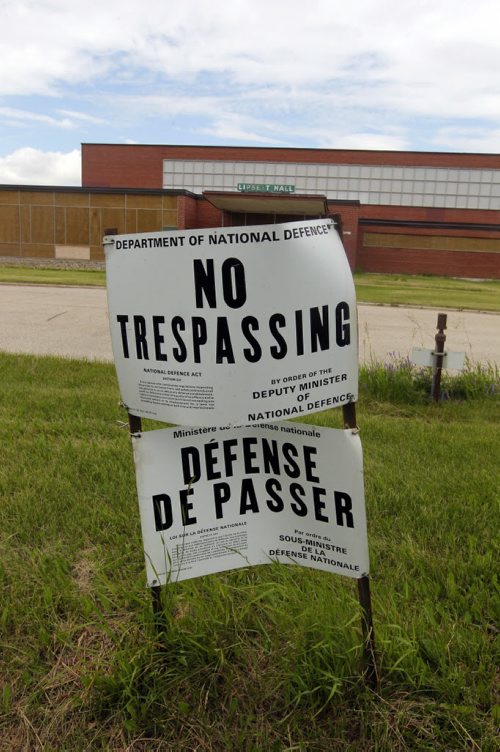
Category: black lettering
<point>186,506</point>
<point>229,456</point>
<point>199,336</point>
<point>289,452</point>
<point>211,461</point>
<point>319,505</point>
<point>159,338</point>
<point>233,283</point>
<point>222,493</point>
<point>249,454</point>
<point>162,508</point>
<point>275,503</point>
<point>248,499</point>
<point>299,333</point>
<point>320,331</point>
<point>179,353</point>
<point>310,464</point>
<point>122,320</point>
<point>223,347</point>
<point>204,283</point>
<point>278,320</point>
<point>191,468</point>
<point>342,328</point>
<point>270,456</point>
<point>249,323</point>
<point>343,507</point>
<point>141,344</point>
<point>299,507</point>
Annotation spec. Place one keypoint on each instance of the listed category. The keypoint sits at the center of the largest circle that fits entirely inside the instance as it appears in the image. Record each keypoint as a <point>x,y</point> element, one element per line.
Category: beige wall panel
<point>95,227</point>
<point>77,226</point>
<point>72,199</point>
<point>37,198</point>
<point>148,220</point>
<point>37,250</point>
<point>96,253</point>
<point>72,252</point>
<point>9,224</point>
<point>107,199</point>
<point>169,219</point>
<point>135,201</point>
<point>10,249</point>
<point>112,218</point>
<point>42,224</point>
<point>431,242</point>
<point>131,220</point>
<point>170,203</point>
<point>9,197</point>
<point>25,215</point>
<point>60,225</point>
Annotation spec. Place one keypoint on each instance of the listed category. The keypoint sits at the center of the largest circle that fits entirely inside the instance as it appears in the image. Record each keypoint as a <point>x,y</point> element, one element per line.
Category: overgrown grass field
<point>266,658</point>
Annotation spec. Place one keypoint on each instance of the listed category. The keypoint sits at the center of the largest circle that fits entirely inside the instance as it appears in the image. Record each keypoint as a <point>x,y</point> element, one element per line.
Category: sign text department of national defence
<point>265,188</point>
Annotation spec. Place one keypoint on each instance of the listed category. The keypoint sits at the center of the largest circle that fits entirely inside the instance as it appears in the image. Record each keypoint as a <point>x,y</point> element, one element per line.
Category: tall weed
<point>398,380</point>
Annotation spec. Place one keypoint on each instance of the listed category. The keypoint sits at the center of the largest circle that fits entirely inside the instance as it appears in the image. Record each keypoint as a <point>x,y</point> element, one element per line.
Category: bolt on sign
<point>233,326</point>
<point>215,499</point>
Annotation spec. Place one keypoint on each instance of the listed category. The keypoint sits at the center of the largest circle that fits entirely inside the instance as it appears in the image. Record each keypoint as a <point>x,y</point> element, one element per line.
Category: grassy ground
<point>259,659</point>
<point>438,292</point>
<point>40,276</point>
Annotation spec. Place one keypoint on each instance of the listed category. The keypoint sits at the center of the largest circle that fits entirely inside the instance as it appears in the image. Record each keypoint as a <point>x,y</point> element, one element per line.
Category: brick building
<point>406,212</point>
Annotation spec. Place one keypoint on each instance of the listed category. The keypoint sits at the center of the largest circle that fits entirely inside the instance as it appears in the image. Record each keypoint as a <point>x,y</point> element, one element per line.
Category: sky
<point>366,74</point>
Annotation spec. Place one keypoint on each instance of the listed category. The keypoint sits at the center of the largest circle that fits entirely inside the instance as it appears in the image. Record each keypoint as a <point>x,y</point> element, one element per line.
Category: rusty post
<point>364,595</point>
<point>135,426</point>
<point>440,339</point>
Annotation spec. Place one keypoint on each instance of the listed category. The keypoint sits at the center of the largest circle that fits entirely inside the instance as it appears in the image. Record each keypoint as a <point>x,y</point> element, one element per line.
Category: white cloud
<point>374,74</point>
<point>18,117</point>
<point>82,116</point>
<point>462,139</point>
<point>416,56</point>
<point>34,167</point>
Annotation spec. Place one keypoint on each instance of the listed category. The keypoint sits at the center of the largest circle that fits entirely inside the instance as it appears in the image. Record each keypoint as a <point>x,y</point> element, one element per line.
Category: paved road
<point>73,322</point>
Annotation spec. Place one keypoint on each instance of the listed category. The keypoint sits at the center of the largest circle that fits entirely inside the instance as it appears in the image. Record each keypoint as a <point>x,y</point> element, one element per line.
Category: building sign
<point>265,188</point>
<point>213,499</point>
<point>233,326</point>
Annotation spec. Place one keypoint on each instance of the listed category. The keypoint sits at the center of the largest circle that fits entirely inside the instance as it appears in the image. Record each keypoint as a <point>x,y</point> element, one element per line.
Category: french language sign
<point>233,326</point>
<point>216,499</point>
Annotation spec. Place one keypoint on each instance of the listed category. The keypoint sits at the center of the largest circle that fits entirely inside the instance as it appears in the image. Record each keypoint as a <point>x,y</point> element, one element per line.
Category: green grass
<point>434,292</point>
<point>396,289</point>
<point>257,659</point>
<point>39,276</point>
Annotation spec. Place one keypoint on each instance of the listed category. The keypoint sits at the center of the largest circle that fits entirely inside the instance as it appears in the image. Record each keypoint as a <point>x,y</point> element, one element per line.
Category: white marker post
<point>438,358</point>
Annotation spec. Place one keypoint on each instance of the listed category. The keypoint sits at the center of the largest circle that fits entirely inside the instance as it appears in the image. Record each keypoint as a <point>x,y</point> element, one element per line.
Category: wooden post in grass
<point>364,596</point>
<point>440,339</point>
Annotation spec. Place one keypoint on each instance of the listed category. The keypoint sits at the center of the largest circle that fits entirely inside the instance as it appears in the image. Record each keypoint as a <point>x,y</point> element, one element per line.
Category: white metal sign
<point>213,499</point>
<point>422,356</point>
<point>233,326</point>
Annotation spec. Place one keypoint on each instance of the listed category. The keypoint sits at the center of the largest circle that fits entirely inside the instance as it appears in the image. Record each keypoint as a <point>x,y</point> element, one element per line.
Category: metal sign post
<point>135,427</point>
<point>438,358</point>
<point>440,339</point>
<point>364,595</point>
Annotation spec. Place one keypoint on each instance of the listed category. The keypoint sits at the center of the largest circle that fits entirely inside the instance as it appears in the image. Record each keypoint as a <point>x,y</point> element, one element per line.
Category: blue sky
<point>371,74</point>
